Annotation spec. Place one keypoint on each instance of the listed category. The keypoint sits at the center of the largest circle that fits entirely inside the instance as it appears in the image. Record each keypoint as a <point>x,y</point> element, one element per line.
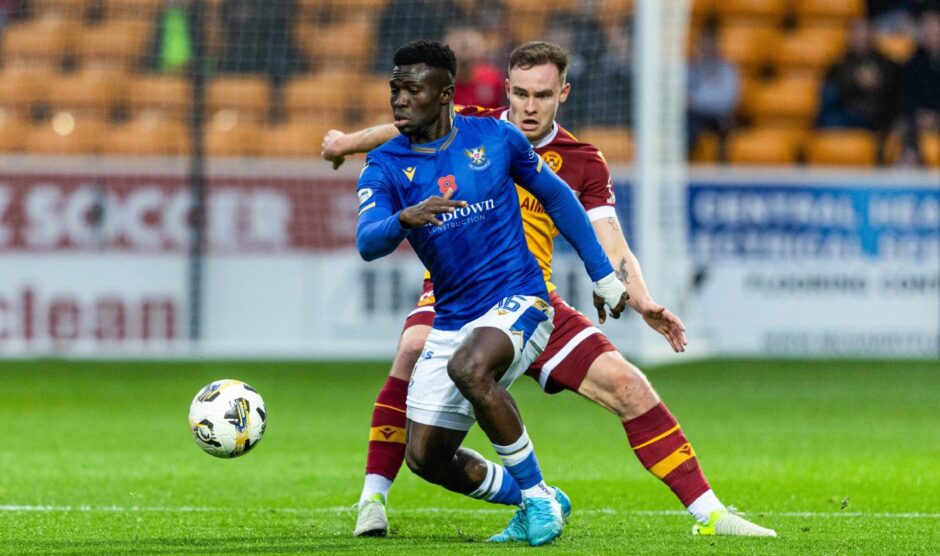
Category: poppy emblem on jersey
<point>447,183</point>
<point>477,156</point>
<point>553,160</point>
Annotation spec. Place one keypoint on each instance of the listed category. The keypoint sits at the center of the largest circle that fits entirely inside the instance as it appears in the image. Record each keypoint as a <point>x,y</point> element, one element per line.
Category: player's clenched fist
<point>611,292</point>
<point>425,212</point>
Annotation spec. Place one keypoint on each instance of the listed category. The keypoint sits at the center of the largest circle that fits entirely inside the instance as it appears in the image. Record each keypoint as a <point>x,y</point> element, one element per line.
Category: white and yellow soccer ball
<point>227,418</point>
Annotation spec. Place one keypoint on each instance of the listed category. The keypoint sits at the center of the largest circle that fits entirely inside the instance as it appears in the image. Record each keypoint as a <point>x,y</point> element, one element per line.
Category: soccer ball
<point>227,418</point>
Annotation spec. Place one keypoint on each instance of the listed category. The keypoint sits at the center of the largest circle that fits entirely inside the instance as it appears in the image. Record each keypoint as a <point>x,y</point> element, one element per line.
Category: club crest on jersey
<point>553,160</point>
<point>447,183</point>
<point>477,156</point>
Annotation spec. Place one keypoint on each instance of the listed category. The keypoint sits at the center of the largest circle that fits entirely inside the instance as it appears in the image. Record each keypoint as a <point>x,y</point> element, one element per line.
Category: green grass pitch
<point>96,457</point>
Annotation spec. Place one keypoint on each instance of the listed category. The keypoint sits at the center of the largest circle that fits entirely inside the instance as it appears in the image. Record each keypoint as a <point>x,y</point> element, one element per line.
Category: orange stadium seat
<point>147,135</point>
<point>764,12</point>
<point>67,9</point>
<point>748,46</point>
<point>702,9</point>
<point>65,134</point>
<point>842,148</point>
<point>930,149</point>
<point>229,135</point>
<point>763,146</point>
<point>12,133</point>
<point>706,149</point>
<point>168,95</point>
<point>810,49</point>
<point>92,91</point>
<point>897,46</point>
<point>245,94</point>
<point>375,99</point>
<point>787,101</point>
<point>347,10</point>
<point>837,10</point>
<point>140,10</point>
<point>616,143</point>
<point>295,139</point>
<point>24,86</point>
<point>346,45</point>
<point>113,43</point>
<point>617,9</point>
<point>323,95</point>
<point>45,40</point>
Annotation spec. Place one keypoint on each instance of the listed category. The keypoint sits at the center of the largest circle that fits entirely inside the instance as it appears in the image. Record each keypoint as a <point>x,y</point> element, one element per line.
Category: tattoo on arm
<point>621,271</point>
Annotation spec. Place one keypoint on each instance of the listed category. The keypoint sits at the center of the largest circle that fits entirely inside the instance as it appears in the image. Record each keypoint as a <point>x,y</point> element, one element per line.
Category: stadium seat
<point>376,104</point>
<point>168,95</point>
<point>139,10</point>
<point>616,143</point>
<point>24,86</point>
<point>810,49</point>
<point>763,146</point>
<point>930,149</point>
<point>897,46</point>
<point>748,46</point>
<point>229,135</point>
<point>12,133</point>
<point>113,43</point>
<point>245,94</point>
<point>617,10</point>
<point>46,40</point>
<point>762,12</point>
<point>841,148</point>
<point>66,9</point>
<point>834,10</point>
<point>706,149</point>
<point>348,10</point>
<point>321,96</point>
<point>295,139</point>
<point>702,10</point>
<point>147,135</point>
<point>65,134</point>
<point>89,92</point>
<point>343,46</point>
<point>787,101</point>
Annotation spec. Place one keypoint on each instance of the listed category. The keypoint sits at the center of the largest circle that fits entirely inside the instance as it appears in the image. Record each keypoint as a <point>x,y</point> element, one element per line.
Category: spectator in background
<point>478,82</point>
<point>579,32</point>
<point>11,10</point>
<point>258,38</point>
<point>920,87</point>
<point>403,21</point>
<point>172,44</point>
<point>860,89</point>
<point>713,90</point>
<point>890,16</point>
<point>614,80</point>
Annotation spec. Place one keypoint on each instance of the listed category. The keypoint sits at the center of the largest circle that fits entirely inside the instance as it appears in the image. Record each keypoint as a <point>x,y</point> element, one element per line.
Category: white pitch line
<point>13,508</point>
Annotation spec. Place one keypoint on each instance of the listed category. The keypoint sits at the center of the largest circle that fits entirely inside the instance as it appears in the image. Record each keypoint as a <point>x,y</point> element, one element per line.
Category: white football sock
<point>704,505</point>
<point>375,484</point>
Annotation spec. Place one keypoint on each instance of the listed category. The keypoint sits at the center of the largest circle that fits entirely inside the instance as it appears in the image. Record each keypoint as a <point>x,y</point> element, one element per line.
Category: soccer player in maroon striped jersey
<point>579,357</point>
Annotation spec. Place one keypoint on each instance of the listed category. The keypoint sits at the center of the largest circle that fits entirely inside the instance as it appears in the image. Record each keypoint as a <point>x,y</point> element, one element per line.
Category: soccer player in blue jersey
<point>447,186</point>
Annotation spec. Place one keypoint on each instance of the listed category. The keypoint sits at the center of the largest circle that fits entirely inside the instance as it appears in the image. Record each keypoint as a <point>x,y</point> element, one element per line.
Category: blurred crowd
<point>864,89</point>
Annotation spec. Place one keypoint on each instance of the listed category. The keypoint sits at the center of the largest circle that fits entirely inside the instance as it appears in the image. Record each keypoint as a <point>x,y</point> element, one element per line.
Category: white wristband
<point>610,288</point>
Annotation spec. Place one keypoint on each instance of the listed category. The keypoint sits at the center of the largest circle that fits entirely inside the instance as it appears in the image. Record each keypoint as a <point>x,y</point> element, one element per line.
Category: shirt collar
<point>545,140</point>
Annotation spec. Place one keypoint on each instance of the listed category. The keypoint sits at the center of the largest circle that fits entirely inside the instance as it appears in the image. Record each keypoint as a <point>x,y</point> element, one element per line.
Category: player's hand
<point>666,323</point>
<point>330,150</point>
<point>427,210</point>
<point>609,292</point>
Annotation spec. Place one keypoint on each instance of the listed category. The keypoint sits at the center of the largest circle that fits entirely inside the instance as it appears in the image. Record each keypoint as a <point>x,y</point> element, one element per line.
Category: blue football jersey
<point>479,254</point>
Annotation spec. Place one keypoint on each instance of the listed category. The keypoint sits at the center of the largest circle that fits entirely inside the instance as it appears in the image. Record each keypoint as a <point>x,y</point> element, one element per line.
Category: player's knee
<point>469,372</point>
<point>626,390</point>
<point>421,464</point>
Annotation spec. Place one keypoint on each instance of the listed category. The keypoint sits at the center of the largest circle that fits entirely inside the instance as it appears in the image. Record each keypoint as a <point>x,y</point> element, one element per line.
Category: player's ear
<point>565,90</point>
<point>447,94</point>
<point>507,88</point>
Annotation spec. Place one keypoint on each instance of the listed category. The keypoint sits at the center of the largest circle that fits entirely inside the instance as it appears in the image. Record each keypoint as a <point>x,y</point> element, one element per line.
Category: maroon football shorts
<point>573,346</point>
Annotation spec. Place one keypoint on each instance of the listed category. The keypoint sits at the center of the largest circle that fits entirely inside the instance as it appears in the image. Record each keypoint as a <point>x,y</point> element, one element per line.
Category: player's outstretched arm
<point>628,271</point>
<point>337,145</point>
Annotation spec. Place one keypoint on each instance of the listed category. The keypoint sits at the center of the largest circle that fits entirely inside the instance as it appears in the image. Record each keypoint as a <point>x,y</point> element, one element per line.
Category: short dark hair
<point>431,53</point>
<point>536,53</point>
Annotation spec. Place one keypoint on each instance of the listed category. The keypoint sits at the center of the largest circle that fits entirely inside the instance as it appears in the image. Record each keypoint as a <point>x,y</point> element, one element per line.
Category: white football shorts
<point>433,398</point>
